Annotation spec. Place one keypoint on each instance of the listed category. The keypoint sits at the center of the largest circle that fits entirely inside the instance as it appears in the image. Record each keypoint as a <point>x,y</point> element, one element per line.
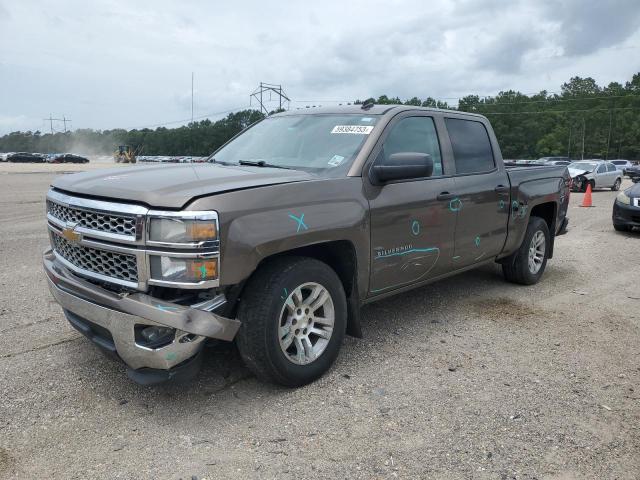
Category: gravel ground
<point>471,377</point>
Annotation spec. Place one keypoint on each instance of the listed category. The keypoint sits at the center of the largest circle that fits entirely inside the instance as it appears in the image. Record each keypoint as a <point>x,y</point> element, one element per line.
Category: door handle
<point>446,196</point>
<point>501,189</point>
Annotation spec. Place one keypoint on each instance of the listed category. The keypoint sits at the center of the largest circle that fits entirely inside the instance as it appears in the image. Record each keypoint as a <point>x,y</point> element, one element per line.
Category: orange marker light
<point>202,231</point>
<point>204,269</point>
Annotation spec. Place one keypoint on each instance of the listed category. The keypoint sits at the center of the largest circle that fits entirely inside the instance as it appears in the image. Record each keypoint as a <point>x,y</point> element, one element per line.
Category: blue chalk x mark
<point>415,227</point>
<point>477,241</point>
<point>300,220</point>
<point>171,356</point>
<point>455,205</point>
<point>203,272</point>
<point>165,308</point>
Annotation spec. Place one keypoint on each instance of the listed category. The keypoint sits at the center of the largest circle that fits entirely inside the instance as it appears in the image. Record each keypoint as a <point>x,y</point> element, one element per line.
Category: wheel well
<point>547,212</point>
<point>340,255</point>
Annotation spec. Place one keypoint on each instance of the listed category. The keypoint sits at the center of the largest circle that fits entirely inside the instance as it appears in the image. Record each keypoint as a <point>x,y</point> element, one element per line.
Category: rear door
<point>482,193</point>
<point>412,228</point>
<point>612,173</point>
<point>601,176</point>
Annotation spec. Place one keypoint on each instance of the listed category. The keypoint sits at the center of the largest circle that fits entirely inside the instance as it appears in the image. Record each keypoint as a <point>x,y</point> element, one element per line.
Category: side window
<point>601,168</point>
<point>472,150</point>
<point>611,167</point>
<point>414,134</point>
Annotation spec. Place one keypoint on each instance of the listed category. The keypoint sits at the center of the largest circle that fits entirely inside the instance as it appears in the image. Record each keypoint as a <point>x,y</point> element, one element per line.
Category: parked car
<point>291,226</point>
<point>622,165</point>
<point>626,209</point>
<point>555,160</point>
<point>633,172</point>
<point>598,173</point>
<point>66,158</point>
<point>25,157</point>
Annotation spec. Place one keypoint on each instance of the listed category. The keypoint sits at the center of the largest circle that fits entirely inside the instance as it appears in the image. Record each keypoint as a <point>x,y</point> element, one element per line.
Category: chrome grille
<point>110,264</point>
<point>102,222</point>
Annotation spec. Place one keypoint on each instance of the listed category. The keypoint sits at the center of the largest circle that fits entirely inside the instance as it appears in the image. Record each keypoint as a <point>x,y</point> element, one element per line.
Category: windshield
<point>618,162</point>
<point>583,166</point>
<point>314,143</point>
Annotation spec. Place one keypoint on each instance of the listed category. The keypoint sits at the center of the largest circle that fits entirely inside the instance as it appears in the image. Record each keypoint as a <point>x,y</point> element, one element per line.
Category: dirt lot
<point>468,378</point>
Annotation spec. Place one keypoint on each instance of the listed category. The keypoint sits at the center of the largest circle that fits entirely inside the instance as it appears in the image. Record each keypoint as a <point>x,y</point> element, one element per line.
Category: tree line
<point>583,119</point>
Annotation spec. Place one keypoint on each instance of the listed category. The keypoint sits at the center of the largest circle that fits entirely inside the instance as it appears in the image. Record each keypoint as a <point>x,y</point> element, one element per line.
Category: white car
<point>598,173</point>
<point>622,165</point>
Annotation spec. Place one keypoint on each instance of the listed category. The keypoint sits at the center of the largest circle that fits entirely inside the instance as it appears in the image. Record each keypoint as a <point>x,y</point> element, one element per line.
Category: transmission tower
<point>270,88</point>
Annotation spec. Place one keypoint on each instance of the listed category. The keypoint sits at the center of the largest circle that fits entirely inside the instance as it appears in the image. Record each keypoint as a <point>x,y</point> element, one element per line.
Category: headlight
<point>623,198</point>
<point>183,227</point>
<point>183,270</point>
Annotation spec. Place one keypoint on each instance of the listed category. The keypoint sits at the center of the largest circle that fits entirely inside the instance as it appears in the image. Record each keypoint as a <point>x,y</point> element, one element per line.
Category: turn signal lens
<point>202,231</point>
<point>204,270</point>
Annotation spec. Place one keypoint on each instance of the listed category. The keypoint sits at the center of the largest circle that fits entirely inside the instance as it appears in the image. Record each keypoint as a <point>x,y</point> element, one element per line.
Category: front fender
<point>258,223</point>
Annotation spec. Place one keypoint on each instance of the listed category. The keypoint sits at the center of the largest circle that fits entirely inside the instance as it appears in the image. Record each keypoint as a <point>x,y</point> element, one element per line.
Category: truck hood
<point>173,186</point>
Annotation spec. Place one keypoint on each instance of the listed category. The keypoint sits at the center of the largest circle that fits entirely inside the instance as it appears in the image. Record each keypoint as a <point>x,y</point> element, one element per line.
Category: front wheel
<point>294,317</point>
<point>527,264</point>
<point>616,185</point>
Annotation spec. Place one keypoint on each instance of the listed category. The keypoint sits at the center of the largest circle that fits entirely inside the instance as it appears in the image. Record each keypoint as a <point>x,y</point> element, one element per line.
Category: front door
<point>482,194</point>
<point>412,230</point>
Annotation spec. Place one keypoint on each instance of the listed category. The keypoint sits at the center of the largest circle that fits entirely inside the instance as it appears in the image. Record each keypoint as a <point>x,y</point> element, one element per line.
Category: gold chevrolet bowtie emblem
<point>69,233</point>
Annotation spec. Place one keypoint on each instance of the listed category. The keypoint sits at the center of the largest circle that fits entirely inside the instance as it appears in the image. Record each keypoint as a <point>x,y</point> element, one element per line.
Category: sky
<point>127,64</point>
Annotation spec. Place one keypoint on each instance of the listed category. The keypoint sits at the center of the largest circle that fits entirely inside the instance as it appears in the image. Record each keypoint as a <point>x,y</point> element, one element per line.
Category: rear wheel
<point>616,185</point>
<point>294,317</point>
<point>527,264</point>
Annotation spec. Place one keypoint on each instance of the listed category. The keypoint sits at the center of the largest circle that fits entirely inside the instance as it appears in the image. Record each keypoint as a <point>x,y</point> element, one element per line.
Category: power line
<point>556,111</point>
<point>173,122</point>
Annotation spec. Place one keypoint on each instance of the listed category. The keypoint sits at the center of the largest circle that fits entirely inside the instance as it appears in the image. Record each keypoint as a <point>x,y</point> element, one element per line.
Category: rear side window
<point>414,134</point>
<point>601,169</point>
<point>472,151</point>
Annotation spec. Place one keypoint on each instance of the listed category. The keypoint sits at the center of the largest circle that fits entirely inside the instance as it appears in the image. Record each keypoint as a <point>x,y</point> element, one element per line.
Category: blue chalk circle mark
<point>514,205</point>
<point>455,205</point>
<point>300,221</point>
<point>286,294</point>
<point>477,241</point>
<point>415,227</point>
<point>501,204</point>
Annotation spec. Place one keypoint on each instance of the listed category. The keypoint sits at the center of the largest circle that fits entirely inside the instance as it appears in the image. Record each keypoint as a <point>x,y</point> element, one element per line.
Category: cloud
<point>114,63</point>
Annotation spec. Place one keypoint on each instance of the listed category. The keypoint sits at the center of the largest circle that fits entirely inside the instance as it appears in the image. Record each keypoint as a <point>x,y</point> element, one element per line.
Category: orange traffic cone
<point>586,200</point>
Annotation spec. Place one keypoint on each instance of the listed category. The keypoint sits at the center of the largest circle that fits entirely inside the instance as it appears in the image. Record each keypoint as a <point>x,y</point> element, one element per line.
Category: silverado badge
<point>70,234</point>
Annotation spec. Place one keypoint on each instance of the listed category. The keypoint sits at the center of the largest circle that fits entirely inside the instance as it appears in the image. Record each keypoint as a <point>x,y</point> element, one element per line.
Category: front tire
<point>527,264</point>
<point>294,317</point>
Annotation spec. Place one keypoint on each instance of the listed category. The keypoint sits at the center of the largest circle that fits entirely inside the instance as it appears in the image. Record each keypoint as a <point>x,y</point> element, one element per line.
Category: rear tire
<point>527,264</point>
<point>271,320</point>
<point>616,185</point>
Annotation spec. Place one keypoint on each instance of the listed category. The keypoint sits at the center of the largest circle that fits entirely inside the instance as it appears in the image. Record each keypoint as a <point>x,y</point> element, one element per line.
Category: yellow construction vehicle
<point>124,154</point>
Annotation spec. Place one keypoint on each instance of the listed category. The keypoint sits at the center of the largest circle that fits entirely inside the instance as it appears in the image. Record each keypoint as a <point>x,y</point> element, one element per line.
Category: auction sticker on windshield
<point>353,129</point>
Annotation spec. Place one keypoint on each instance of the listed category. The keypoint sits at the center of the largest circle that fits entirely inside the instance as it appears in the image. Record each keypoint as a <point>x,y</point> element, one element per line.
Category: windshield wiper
<point>260,163</point>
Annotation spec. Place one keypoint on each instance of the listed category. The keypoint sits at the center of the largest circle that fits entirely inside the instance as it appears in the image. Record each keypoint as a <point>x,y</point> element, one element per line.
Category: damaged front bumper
<point>111,320</point>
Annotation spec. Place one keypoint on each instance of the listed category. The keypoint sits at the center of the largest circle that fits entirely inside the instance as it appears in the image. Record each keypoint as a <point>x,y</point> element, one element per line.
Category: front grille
<point>111,264</point>
<point>102,222</point>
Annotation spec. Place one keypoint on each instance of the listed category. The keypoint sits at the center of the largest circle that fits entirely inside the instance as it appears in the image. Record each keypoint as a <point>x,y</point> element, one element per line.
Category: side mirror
<point>402,166</point>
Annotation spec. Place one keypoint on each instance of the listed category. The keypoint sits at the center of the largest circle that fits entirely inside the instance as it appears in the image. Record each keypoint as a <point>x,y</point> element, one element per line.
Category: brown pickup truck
<point>289,228</point>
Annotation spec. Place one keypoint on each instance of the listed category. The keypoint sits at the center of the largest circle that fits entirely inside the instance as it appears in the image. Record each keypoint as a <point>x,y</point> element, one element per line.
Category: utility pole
<point>583,130</point>
<point>271,88</point>
<point>65,120</point>
<point>191,97</point>
<point>606,157</point>
<point>569,145</point>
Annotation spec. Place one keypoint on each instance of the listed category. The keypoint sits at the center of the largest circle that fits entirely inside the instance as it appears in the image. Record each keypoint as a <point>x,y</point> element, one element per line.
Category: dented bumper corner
<point>110,321</point>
